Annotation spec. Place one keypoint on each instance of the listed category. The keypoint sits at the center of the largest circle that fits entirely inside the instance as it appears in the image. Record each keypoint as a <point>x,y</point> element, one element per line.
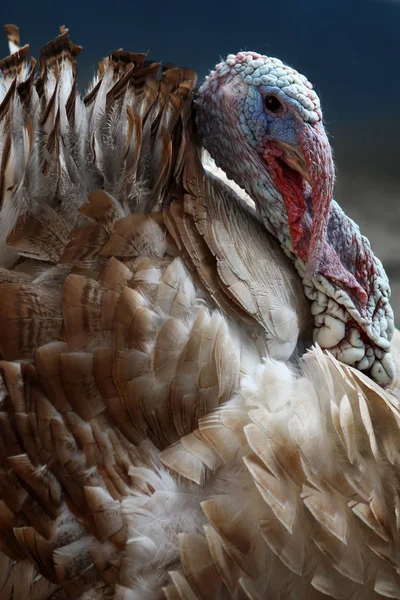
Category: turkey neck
<point>247,168</point>
<point>292,210</point>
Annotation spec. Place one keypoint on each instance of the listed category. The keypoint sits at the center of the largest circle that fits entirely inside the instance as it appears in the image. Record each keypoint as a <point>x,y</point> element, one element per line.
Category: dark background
<point>349,49</point>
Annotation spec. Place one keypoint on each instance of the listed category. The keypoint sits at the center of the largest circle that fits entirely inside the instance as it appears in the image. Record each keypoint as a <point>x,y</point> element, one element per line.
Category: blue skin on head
<point>259,125</point>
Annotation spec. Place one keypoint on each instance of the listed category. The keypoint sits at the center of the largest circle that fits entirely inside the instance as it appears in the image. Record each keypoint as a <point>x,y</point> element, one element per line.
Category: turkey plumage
<point>164,432</point>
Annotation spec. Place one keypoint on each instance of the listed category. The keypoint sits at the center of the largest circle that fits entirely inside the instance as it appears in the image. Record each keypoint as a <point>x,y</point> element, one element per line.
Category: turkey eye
<point>273,104</point>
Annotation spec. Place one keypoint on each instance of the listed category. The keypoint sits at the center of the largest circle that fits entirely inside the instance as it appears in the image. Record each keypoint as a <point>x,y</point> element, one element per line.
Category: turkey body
<point>160,436</point>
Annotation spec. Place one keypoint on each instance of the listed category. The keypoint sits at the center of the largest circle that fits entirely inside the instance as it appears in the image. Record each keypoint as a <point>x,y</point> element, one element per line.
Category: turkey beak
<point>293,156</point>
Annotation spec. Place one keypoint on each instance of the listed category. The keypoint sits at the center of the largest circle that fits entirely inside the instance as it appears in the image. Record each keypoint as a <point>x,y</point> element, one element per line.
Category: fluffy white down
<point>297,479</point>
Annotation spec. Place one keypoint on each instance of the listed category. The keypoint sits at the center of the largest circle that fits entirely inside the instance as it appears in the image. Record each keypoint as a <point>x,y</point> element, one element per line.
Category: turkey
<point>198,383</point>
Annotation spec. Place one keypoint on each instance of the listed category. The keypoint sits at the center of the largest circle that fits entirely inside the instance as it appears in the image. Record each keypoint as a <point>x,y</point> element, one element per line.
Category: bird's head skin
<point>260,106</point>
<point>261,121</point>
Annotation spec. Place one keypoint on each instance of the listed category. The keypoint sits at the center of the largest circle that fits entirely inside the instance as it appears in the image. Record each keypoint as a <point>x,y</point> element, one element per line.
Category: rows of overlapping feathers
<point>155,439</point>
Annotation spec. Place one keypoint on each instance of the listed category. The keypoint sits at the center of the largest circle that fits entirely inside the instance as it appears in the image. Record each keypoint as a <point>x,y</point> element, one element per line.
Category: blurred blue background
<point>349,49</point>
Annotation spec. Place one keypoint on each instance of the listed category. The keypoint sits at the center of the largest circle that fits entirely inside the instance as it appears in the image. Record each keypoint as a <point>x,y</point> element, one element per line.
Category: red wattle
<point>290,184</point>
